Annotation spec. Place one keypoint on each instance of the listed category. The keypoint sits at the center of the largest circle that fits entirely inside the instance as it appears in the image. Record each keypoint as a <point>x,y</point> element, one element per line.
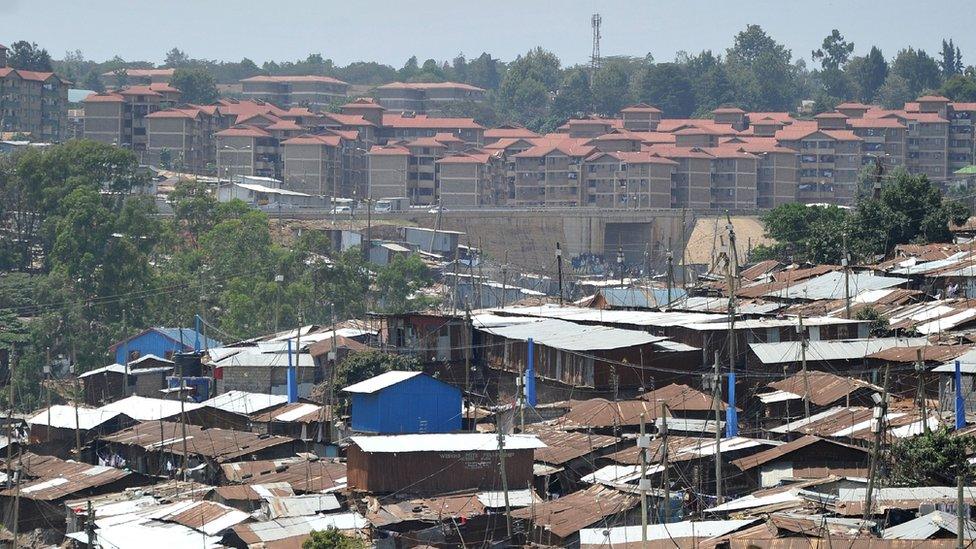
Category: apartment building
<point>119,117</point>
<point>961,143</point>
<point>777,169</point>
<point>734,178</point>
<point>313,164</point>
<point>388,165</point>
<point>396,127</point>
<point>549,174</point>
<point>315,92</point>
<point>426,97</point>
<point>627,180</point>
<point>641,117</point>
<point>247,150</point>
<point>183,137</point>
<point>470,180</point>
<point>33,103</point>
<point>137,77</point>
<point>829,161</point>
<point>691,180</point>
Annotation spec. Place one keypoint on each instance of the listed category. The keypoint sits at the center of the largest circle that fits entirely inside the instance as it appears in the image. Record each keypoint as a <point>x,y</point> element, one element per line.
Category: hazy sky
<point>390,31</point>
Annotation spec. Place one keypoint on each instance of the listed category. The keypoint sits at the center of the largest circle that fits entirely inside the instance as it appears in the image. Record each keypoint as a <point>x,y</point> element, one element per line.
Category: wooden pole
<point>803,365</point>
<point>642,444</point>
<point>666,480</point>
<point>878,427</point>
<point>467,366</point>
<point>501,467</point>
<point>717,397</point>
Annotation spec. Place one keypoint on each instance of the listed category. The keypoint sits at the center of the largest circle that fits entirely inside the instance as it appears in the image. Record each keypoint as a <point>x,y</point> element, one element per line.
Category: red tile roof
<point>652,138</point>
<point>728,110</point>
<point>246,117</point>
<point>144,72</point>
<point>568,146</point>
<point>347,119</point>
<point>348,135</point>
<point>468,158</point>
<point>926,117</point>
<point>284,125</point>
<point>850,105</point>
<point>729,151</point>
<point>963,106</point>
<point>639,157</point>
<point>299,78</point>
<point>842,135</point>
<point>783,117</point>
<point>165,88</point>
<point>175,113</point>
<point>830,115</point>
<point>641,107</point>
<point>426,142</point>
<point>875,123</point>
<point>326,140</point>
<point>389,150</point>
<point>671,151</point>
<point>444,137</point>
<point>37,76</point>
<point>499,133</point>
<point>364,103</point>
<point>423,121</point>
<point>428,86</point>
<point>138,90</point>
<point>243,131</point>
<point>102,98</point>
<point>933,99</point>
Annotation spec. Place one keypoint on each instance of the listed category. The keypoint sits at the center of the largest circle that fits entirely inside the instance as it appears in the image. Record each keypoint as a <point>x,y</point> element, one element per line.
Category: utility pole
<point>369,229</point>
<point>847,278</point>
<point>960,513</point>
<point>642,444</point>
<point>559,271</point>
<point>17,473</point>
<point>90,524</point>
<point>733,274</point>
<point>467,364</point>
<point>666,476</point>
<point>504,279</point>
<point>717,398</point>
<point>125,350</point>
<point>620,263</point>
<point>183,422</point>
<point>878,172</point>
<point>920,390</point>
<point>878,427</point>
<point>10,420</point>
<point>670,275</point>
<point>501,466</point>
<point>333,360</point>
<point>803,365</point>
<point>437,227</point>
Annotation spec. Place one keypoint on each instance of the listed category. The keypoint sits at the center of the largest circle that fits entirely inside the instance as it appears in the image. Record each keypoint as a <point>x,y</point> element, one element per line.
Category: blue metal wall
<point>420,404</point>
<point>151,342</point>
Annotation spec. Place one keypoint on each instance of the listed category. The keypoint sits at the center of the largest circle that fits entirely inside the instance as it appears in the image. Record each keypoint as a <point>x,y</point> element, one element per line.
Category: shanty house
<point>405,402</point>
<point>162,342</point>
<point>947,383</point>
<point>808,457</point>
<point>54,430</point>
<point>144,376</point>
<point>438,463</point>
<point>142,408</point>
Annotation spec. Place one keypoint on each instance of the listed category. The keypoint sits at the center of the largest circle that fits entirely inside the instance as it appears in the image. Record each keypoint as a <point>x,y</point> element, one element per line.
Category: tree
<point>28,56</point>
<point>610,88</point>
<point>531,80</point>
<point>574,97</point>
<point>806,233</point>
<point>197,86</point>
<point>176,58</point>
<point>959,88</point>
<point>364,365</point>
<point>93,82</point>
<point>895,92</point>
<point>331,539</point>
<point>483,72</point>
<point>951,60</point>
<point>398,282</point>
<point>867,74</point>
<point>834,52</point>
<point>932,459</point>
<point>666,86</point>
<point>761,71</point>
<point>711,83</point>
<point>919,70</point>
<point>410,69</point>
<point>121,78</point>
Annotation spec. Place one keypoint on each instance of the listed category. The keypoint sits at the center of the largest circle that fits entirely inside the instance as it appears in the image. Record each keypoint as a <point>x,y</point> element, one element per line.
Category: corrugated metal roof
<point>431,510</point>
<point>785,352</point>
<point>569,336</point>
<point>149,535</point>
<point>777,452</point>
<point>148,409</point>
<point>219,444</point>
<point>926,526</point>
<point>564,446</point>
<point>825,388</point>
<point>63,417</point>
<point>380,382</point>
<point>831,286</point>
<point>516,498</point>
<point>245,403</point>
<point>681,398</point>
<point>618,535</point>
<point>297,412</point>
<point>967,364</point>
<point>288,527</point>
<point>297,506</point>
<point>571,513</point>
<point>452,442</point>
<point>947,322</point>
<point>256,357</point>
<point>58,478</point>
<point>208,517</point>
<point>762,323</point>
<point>607,317</point>
<point>850,501</point>
<point>301,474</point>
<point>752,501</point>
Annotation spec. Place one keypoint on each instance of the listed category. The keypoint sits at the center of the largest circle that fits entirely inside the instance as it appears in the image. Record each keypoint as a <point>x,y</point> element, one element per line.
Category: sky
<point>391,31</point>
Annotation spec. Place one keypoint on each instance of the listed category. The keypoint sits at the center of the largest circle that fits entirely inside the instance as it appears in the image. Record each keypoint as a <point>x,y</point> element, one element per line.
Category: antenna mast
<point>595,22</point>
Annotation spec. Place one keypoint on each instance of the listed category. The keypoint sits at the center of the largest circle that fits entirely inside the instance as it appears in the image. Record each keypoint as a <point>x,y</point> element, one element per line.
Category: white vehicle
<point>342,210</point>
<point>437,209</point>
<point>385,205</point>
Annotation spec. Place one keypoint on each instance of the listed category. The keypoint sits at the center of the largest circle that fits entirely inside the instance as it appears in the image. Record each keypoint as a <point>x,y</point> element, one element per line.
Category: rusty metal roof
<point>255,492</point>
<point>854,422</point>
<point>218,444</point>
<point>208,517</point>
<point>930,353</point>
<point>564,446</point>
<point>297,506</point>
<point>290,527</point>
<point>56,478</point>
<point>573,512</point>
<point>302,474</point>
<point>825,388</point>
<point>681,398</point>
<point>598,412</point>
<point>432,510</point>
<point>295,412</point>
<point>777,452</point>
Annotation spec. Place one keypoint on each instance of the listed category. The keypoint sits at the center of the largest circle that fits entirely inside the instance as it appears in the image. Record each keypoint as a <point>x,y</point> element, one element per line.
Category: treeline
<point>83,261</point>
<point>756,72</point>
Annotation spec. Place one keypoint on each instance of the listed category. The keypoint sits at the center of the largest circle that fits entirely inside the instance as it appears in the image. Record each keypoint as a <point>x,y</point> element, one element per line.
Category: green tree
<point>761,71</point>
<point>867,74</point>
<point>959,88</point>
<point>919,70</point>
<point>666,86</point>
<point>834,52</point>
<point>530,81</point>
<point>121,77</point>
<point>331,539</point>
<point>176,58</point>
<point>950,59</point>
<point>806,233</point>
<point>483,71</point>
<point>196,86</point>
<point>364,365</point>
<point>93,82</point>
<point>895,92</point>
<point>398,282</point>
<point>28,56</point>
<point>410,69</point>
<point>574,97</point>
<point>931,459</point>
<point>710,80</point>
<point>610,88</point>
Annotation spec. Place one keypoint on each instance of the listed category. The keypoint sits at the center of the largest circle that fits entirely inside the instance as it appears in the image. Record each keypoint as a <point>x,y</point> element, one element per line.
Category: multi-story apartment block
<point>119,117</point>
<point>33,103</point>
<point>470,180</point>
<point>641,117</point>
<point>507,131</point>
<point>247,150</point>
<point>734,179</point>
<point>829,162</point>
<point>426,97</point>
<point>138,77</point>
<point>397,127</point>
<point>691,180</point>
<point>627,180</point>
<point>777,170</point>
<point>314,92</point>
<point>185,135</point>
<point>549,174</point>
<point>388,167</point>
<point>313,164</point>
<point>961,143</point>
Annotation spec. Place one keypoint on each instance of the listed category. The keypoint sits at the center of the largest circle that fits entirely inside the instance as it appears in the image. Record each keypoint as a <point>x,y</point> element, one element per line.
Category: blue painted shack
<point>162,342</point>
<point>405,402</point>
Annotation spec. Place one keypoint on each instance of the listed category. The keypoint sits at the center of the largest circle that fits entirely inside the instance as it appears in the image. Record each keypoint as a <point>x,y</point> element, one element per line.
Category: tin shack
<point>405,402</point>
